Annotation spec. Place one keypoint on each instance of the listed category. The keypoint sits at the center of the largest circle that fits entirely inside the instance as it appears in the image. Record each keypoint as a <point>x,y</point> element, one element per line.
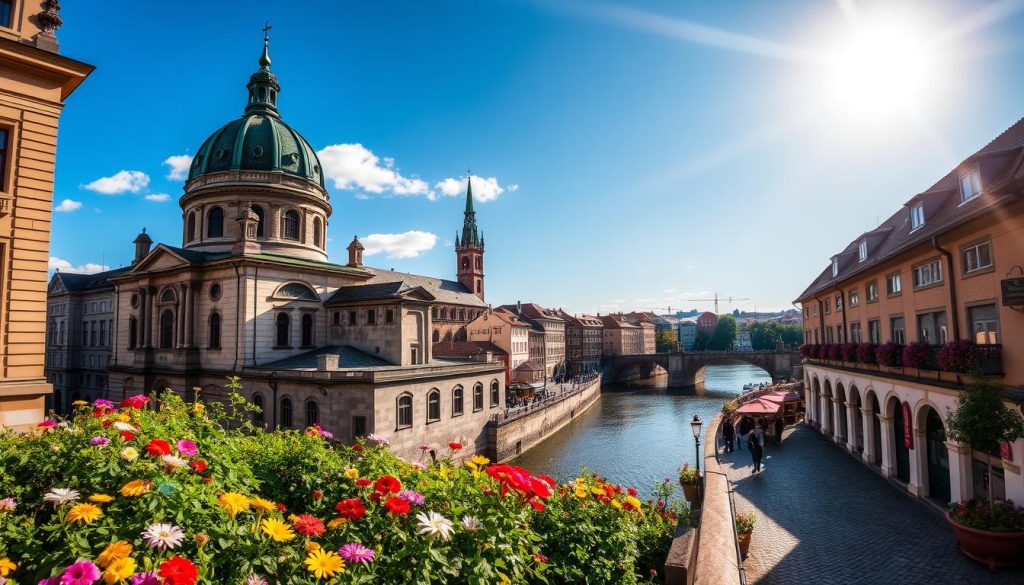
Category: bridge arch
<point>684,368</point>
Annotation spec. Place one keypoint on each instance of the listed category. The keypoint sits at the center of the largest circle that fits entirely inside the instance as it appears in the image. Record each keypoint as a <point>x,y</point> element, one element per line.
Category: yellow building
<point>34,82</point>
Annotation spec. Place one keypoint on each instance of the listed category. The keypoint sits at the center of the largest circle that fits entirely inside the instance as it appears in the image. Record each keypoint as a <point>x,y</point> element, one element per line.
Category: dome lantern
<point>263,86</point>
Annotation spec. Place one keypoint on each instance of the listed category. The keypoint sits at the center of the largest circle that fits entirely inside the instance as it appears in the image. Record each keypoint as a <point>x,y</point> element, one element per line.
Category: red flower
<point>351,509</point>
<point>363,482</point>
<point>388,485</point>
<point>455,446</point>
<point>128,435</point>
<point>281,507</point>
<point>157,447</point>
<point>631,491</point>
<point>178,571</point>
<point>397,506</point>
<point>207,479</point>
<point>540,558</point>
<point>106,423</point>
<point>357,447</point>
<point>198,465</point>
<point>317,494</point>
<point>308,525</point>
<point>137,401</point>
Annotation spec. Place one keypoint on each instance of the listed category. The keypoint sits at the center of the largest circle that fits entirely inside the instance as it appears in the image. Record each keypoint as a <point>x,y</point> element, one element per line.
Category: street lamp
<point>695,424</point>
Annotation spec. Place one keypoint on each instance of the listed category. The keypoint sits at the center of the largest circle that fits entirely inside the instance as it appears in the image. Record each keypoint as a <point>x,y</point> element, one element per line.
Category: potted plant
<point>866,353</point>
<point>688,478</point>
<point>991,532</point>
<point>915,355</point>
<point>888,354</point>
<point>849,352</point>
<point>744,528</point>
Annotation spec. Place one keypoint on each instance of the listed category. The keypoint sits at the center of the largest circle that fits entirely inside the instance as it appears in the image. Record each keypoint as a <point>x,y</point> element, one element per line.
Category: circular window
<point>294,157</point>
<point>215,292</point>
<point>257,151</point>
<point>135,300</point>
<point>218,154</point>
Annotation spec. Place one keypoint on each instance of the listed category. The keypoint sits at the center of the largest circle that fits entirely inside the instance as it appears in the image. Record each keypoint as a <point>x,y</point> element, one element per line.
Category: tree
<point>982,420</point>
<point>724,335</point>
<point>666,340</point>
<point>701,340</point>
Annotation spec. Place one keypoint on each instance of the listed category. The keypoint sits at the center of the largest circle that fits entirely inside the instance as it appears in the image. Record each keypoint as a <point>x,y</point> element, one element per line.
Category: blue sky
<point>648,152</point>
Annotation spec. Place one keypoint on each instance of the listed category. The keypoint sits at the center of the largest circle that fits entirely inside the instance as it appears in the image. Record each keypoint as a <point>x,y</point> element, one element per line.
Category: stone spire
<point>470,234</point>
<point>142,245</point>
<point>263,86</point>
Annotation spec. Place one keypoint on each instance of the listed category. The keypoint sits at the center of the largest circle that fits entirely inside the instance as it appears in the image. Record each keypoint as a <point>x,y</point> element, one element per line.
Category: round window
<point>135,300</point>
<point>218,154</point>
<point>215,292</point>
<point>257,151</point>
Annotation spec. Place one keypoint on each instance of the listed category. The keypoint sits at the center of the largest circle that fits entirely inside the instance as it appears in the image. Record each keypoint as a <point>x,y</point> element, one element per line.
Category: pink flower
<point>145,579</point>
<point>187,448</point>
<point>47,424</point>
<point>99,441</point>
<point>355,553</point>
<point>80,573</point>
<point>102,403</point>
<point>137,401</point>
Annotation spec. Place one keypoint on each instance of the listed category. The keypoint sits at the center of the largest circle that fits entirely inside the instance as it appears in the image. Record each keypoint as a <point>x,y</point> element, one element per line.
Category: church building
<point>251,292</point>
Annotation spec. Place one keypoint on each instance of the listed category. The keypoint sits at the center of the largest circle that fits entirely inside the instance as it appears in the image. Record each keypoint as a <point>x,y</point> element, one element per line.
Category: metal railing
<point>987,360</point>
<point>564,391</point>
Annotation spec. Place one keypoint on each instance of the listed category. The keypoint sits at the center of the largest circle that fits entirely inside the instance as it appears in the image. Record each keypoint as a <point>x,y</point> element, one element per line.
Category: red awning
<point>783,396</point>
<point>759,406</point>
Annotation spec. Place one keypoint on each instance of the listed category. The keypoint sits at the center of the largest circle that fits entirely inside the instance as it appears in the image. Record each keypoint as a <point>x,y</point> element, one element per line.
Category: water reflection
<point>638,434</point>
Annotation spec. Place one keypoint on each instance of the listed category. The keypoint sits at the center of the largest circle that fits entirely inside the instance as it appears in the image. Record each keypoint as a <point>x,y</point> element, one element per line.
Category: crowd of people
<point>562,384</point>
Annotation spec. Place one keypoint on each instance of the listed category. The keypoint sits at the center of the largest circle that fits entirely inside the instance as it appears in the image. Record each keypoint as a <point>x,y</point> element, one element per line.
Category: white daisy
<point>123,426</point>
<point>61,496</point>
<point>173,462</point>
<point>163,536</point>
<point>471,524</point>
<point>435,525</point>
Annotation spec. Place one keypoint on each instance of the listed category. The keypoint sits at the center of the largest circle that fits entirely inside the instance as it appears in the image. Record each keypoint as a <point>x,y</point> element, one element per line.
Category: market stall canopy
<point>759,406</point>
<point>783,396</point>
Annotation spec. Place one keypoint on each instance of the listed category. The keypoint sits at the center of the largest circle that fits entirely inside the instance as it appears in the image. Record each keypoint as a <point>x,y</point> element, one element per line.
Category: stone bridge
<point>687,368</point>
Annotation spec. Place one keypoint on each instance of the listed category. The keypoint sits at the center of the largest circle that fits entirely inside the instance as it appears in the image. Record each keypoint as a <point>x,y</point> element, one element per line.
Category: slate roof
<point>349,357</point>
<point>617,322</point>
<point>466,348</point>
<point>88,282</point>
<point>999,164</point>
<point>200,257</point>
<point>380,291</point>
<point>445,291</point>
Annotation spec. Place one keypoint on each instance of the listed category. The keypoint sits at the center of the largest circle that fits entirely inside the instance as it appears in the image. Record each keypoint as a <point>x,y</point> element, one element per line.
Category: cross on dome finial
<point>265,57</point>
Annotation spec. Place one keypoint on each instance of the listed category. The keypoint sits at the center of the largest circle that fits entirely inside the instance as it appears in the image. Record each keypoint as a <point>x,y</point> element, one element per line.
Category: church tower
<point>469,250</point>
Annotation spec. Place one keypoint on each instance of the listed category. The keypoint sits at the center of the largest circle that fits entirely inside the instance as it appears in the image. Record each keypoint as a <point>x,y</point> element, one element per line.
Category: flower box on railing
<point>943,362</point>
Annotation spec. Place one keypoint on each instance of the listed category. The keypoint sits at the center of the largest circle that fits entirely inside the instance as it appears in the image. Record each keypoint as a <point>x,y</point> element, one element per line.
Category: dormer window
<point>862,251</point>
<point>970,185</point>
<point>917,216</point>
<point>835,267</point>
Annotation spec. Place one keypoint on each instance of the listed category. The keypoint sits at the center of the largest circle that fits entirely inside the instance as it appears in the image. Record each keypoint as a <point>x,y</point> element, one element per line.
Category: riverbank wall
<point>512,435</point>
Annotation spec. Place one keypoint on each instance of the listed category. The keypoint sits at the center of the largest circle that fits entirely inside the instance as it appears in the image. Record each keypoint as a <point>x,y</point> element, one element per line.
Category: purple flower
<point>379,439</point>
<point>99,441</point>
<point>103,402</point>
<point>145,579</point>
<point>354,552</point>
<point>414,498</point>
<point>50,581</point>
<point>80,573</point>
<point>255,580</point>
<point>187,448</point>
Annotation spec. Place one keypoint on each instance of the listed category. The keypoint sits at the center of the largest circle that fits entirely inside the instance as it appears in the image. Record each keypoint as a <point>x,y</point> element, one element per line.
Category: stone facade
<point>35,81</point>
<point>620,337</point>
<point>505,331</point>
<point>584,339</point>
<point>553,326</point>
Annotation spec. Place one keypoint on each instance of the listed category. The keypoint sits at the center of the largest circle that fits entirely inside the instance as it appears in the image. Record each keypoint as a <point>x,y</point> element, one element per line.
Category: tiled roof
<point>466,348</point>
<point>88,282</point>
<point>532,311</point>
<point>617,322</point>
<point>506,317</point>
<point>999,163</point>
<point>348,357</point>
<point>445,291</point>
<point>379,291</point>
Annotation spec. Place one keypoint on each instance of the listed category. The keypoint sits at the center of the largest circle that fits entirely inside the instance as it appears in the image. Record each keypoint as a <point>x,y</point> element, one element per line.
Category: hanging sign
<point>1006,451</point>
<point>908,432</point>
<point>1013,292</point>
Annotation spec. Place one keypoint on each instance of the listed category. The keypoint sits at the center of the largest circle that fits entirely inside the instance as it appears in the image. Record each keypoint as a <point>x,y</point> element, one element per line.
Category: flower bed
<point>186,493</point>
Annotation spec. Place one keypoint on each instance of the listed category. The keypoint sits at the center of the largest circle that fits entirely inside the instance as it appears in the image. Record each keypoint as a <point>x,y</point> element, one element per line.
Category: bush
<point>889,354</point>
<point>916,355</point>
<point>960,356</point>
<point>745,522</point>
<point>1000,516</point>
<point>688,474</point>
<point>866,353</point>
<point>292,508</point>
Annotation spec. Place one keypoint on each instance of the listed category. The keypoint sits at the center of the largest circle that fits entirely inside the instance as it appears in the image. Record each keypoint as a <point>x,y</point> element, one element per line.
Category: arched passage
<point>814,404</point>
<point>827,408</point>
<point>936,455</point>
<point>842,428</point>
<point>894,409</point>
<point>875,428</point>
<point>858,420</point>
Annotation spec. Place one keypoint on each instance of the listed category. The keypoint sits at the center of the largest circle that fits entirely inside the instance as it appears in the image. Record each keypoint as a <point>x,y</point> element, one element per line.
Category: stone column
<point>179,317</point>
<point>888,453</point>
<point>837,412</point>
<point>918,465</point>
<point>150,314</point>
<point>869,436</point>
<point>272,223</point>
<point>851,427</point>
<point>190,314</point>
<point>961,484</point>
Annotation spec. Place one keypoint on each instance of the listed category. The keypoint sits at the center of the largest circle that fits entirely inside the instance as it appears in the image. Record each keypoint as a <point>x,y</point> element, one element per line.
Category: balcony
<point>967,360</point>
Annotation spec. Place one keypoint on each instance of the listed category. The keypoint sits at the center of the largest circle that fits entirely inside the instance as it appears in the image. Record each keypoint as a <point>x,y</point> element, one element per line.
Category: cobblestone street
<point>824,518</point>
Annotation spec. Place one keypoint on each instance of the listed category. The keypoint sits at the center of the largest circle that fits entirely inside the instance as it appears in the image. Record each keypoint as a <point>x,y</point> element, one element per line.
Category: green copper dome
<point>259,140</point>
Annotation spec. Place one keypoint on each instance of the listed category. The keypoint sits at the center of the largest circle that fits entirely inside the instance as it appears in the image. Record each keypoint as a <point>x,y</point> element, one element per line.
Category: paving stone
<point>824,517</point>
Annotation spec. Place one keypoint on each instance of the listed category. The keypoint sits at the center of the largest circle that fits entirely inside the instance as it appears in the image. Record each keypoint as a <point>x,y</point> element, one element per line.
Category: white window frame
<point>835,267</point>
<point>862,251</point>
<point>916,216</point>
<point>974,250</point>
<point>928,273</point>
<point>973,179</point>
<point>893,284</point>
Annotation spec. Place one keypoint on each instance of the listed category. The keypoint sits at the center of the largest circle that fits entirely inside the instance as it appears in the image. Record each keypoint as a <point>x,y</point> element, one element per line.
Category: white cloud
<point>179,165</point>
<point>405,245</point>
<point>122,182</point>
<point>484,188</point>
<point>158,197</point>
<point>65,266</point>
<point>353,166</point>
<point>67,206</point>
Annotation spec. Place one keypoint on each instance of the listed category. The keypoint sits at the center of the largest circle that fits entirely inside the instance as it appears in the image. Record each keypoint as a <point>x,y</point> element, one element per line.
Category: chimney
<point>142,244</point>
<point>327,362</point>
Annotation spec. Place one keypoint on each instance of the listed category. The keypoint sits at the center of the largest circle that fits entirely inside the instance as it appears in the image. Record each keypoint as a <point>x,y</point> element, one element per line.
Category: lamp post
<point>695,424</point>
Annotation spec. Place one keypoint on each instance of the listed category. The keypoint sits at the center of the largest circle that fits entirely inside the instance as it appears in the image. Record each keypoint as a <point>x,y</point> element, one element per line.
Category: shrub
<point>888,354</point>
<point>276,505</point>
<point>999,516</point>
<point>729,407</point>
<point>960,356</point>
<point>866,353</point>
<point>745,522</point>
<point>916,355</point>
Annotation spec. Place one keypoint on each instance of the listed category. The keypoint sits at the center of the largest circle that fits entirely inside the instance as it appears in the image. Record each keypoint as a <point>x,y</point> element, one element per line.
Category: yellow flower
<point>114,551</point>
<point>262,505</point>
<point>480,460</point>
<point>336,523</point>
<point>136,487</point>
<point>87,513</point>
<point>581,493</point>
<point>352,473</point>
<point>129,453</point>
<point>198,408</point>
<point>79,403</point>
<point>597,491</point>
<point>504,579</point>
<point>617,504</point>
<point>312,546</point>
<point>100,498</point>
<point>123,417</point>
<point>633,502</point>
<point>234,503</point>
<point>324,563</point>
<point>277,530</point>
<point>471,465</point>
<point>6,566</point>
<point>119,570</point>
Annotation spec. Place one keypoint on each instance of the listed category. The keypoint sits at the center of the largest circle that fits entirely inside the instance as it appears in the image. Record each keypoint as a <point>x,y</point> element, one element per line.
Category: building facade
<point>621,337</point>
<point>553,328</point>
<point>944,268</point>
<point>584,339</point>
<point>687,332</point>
<point>35,81</point>
<point>505,331</point>
<point>707,321</point>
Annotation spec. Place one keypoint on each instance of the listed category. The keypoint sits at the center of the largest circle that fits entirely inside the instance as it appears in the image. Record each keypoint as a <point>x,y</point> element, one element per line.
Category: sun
<point>880,69</point>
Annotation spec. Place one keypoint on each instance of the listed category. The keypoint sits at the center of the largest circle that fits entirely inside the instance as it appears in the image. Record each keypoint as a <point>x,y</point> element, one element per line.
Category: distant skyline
<point>626,155</point>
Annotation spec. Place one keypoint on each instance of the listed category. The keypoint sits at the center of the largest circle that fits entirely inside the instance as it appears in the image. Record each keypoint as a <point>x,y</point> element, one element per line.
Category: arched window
<point>307,330</point>
<point>433,405</point>
<point>215,223</point>
<point>133,332</point>
<point>312,413</point>
<point>290,225</point>
<point>318,226</point>
<point>457,401</point>
<point>167,296</point>
<point>286,413</point>
<point>405,410</point>
<point>259,222</point>
<point>444,313</point>
<point>495,393</point>
<point>190,233</point>
<point>284,323</point>
<point>460,335</point>
<point>478,397</point>
<point>437,335</point>
<point>462,314</point>
<point>257,416</point>
<point>297,291</point>
<point>479,262</point>
<point>215,331</point>
<point>433,312</point>
<point>465,262</point>
<point>167,329</point>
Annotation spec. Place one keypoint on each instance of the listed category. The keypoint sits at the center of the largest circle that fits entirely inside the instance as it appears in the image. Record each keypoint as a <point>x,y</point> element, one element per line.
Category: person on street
<point>756,445</point>
<point>728,433</point>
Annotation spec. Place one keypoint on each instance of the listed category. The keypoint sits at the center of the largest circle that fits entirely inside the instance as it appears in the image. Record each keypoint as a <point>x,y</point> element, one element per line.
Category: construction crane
<point>668,310</point>
<point>728,300</point>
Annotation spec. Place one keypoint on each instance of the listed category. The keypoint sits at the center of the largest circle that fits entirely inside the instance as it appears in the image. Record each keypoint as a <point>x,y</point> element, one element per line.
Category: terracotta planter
<point>995,549</point>
<point>744,538</point>
<point>689,491</point>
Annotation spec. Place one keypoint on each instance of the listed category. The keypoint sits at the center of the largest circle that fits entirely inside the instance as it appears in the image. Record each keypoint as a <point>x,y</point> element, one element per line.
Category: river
<point>639,434</point>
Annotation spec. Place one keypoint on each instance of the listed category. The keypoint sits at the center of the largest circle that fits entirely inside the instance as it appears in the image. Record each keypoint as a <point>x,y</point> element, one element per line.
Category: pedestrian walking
<point>729,433</point>
<point>756,444</point>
